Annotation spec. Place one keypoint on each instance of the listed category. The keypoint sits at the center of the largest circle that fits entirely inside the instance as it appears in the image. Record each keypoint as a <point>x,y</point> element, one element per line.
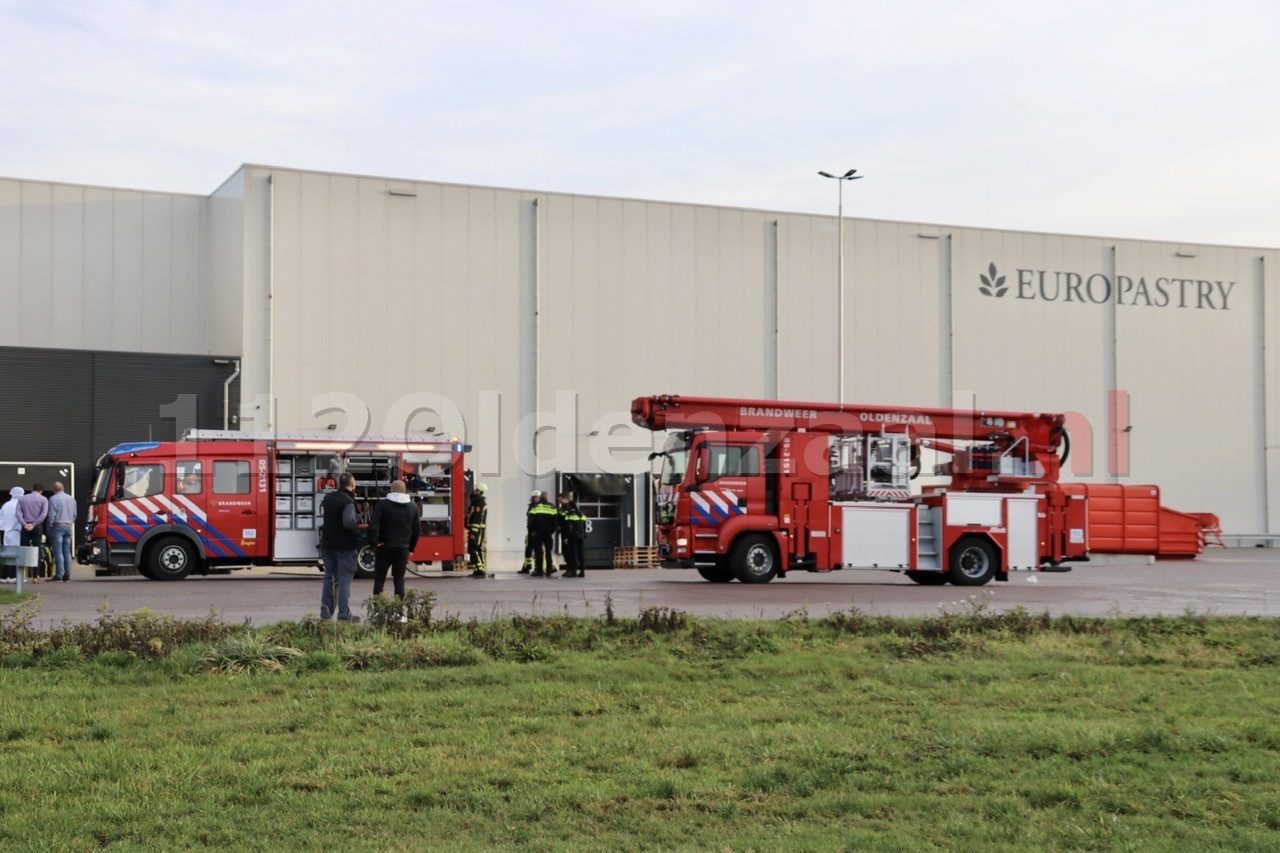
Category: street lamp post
<point>840,179</point>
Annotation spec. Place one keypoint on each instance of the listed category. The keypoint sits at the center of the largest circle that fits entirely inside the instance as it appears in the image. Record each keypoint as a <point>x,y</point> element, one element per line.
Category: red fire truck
<point>752,489</point>
<point>221,500</point>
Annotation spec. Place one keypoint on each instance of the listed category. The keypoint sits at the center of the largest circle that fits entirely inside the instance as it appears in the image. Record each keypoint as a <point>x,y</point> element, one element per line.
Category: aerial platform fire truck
<point>753,489</point>
<point>221,500</point>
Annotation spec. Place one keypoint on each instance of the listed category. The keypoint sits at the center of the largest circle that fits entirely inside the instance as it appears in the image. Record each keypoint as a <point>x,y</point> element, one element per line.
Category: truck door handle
<point>246,512</point>
<point>742,503</point>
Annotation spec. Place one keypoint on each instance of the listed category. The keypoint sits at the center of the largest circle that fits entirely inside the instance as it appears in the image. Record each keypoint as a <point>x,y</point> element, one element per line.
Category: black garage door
<point>72,405</point>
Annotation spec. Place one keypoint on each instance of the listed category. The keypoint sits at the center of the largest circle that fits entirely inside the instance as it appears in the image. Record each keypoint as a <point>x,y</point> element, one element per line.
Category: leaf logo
<point>992,283</point>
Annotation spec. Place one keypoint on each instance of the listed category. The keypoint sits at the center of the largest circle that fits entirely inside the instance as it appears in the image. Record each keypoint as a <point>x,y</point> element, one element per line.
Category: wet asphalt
<point>1223,582</point>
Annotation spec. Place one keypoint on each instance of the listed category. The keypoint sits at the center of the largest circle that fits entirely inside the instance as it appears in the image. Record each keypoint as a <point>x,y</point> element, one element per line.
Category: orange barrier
<point>1130,520</point>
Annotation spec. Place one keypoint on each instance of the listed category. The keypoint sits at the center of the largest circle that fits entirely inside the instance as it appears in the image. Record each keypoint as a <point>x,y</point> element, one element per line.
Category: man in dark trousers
<point>339,543</point>
<point>393,532</point>
<point>542,530</point>
<point>477,525</point>
<point>33,509</point>
<point>527,565</point>
<point>573,533</point>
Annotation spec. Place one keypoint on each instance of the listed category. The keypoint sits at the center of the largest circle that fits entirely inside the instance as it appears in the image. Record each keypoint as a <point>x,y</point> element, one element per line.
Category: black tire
<point>170,559</point>
<point>973,562</point>
<point>754,559</point>
<point>928,578</point>
<point>366,562</point>
<point>718,573</point>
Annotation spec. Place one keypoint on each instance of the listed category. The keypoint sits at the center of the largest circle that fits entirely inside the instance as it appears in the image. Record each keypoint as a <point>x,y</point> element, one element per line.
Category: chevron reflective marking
<point>732,498</point>
<point>194,510</point>
<point>703,509</point>
<point>133,508</point>
<point>152,509</point>
<point>215,543</point>
<point>122,528</point>
<point>213,535</point>
<point>174,510</point>
<point>208,533</point>
<point>721,507</point>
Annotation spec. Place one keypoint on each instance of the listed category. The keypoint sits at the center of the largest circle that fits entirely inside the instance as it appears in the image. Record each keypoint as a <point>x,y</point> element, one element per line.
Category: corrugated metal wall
<point>368,302</point>
<point>72,405</point>
<point>102,269</point>
<point>384,289</point>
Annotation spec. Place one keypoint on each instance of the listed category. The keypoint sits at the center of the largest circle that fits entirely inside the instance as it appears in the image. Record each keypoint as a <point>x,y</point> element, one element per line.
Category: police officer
<point>477,522</point>
<point>573,532</point>
<point>542,518</point>
<point>528,537</point>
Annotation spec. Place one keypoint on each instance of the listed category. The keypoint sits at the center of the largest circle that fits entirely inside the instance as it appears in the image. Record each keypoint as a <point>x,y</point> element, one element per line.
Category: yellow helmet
<point>482,489</point>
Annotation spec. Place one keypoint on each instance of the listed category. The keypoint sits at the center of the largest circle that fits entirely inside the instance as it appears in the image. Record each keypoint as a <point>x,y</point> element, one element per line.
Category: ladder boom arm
<point>1043,432</point>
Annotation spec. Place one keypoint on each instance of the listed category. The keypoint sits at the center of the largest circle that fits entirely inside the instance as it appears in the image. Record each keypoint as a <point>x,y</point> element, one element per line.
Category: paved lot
<point>1225,582</point>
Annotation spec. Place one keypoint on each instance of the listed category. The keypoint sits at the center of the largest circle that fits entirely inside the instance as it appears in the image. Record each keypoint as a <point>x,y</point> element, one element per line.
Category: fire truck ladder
<point>927,556</point>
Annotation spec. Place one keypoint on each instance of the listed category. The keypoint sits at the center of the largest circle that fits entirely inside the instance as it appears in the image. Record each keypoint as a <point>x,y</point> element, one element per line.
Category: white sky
<point>1151,119</point>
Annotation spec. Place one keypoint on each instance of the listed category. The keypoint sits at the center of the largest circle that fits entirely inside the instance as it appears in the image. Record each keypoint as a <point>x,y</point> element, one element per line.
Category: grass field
<point>964,731</point>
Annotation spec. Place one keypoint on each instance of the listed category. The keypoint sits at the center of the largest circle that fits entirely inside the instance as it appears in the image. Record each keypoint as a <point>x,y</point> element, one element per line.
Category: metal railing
<point>21,557</point>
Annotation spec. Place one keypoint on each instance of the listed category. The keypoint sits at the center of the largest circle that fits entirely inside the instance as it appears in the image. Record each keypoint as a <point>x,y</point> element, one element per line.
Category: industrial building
<point>524,322</point>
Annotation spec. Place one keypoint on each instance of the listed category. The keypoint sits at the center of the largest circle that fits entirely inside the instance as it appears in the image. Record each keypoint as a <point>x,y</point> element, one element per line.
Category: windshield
<point>675,460</point>
<point>103,480</point>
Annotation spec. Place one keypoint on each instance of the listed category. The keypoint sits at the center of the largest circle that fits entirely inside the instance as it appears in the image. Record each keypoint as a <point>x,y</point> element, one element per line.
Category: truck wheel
<point>973,562</point>
<point>928,578</point>
<point>366,562</point>
<point>718,573</point>
<point>754,559</point>
<point>170,559</point>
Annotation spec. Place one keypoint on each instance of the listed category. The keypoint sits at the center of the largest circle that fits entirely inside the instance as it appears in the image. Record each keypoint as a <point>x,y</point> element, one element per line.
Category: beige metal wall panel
<point>807,308</point>
<point>1020,352</point>
<point>10,261</point>
<point>225,267</point>
<point>66,295</point>
<point>429,289</point>
<point>292,291</point>
<point>891,315</point>
<point>126,265</point>
<point>35,313</point>
<point>255,284</point>
<point>1267,272</point>
<point>663,364</point>
<point>368,327</point>
<point>95,268</point>
<point>99,297</point>
<point>636,295</point>
<point>156,291</point>
<point>1193,377</point>
<point>185,268</point>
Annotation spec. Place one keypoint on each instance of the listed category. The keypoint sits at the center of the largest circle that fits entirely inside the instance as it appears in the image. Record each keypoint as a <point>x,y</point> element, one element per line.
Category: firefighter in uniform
<point>542,529</point>
<point>527,566</point>
<point>573,532</point>
<point>477,519</point>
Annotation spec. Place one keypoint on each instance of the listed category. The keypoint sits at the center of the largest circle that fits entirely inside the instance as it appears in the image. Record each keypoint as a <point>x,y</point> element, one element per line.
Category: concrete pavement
<point>1242,581</point>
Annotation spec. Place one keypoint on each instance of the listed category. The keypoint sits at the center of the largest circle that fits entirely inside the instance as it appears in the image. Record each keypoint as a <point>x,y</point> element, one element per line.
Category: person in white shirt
<point>11,528</point>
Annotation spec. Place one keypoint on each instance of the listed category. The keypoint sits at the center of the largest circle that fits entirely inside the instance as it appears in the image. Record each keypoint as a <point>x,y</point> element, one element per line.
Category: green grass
<point>8,596</point>
<point>964,731</point>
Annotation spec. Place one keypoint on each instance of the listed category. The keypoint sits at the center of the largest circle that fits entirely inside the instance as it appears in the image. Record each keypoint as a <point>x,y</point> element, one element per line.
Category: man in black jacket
<point>393,532</point>
<point>542,519</point>
<point>339,543</point>
<point>573,531</point>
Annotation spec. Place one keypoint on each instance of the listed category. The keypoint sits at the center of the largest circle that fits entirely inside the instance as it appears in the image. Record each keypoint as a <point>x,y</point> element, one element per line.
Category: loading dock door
<point>608,501</point>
